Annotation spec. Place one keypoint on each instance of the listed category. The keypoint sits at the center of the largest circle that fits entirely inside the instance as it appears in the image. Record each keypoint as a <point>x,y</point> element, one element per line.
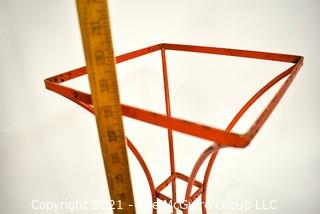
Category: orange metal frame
<point>220,138</point>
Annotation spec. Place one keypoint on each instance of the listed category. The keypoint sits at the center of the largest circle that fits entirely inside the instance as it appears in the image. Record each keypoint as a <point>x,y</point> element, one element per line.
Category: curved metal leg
<point>146,172</point>
<point>205,182</point>
<point>211,149</point>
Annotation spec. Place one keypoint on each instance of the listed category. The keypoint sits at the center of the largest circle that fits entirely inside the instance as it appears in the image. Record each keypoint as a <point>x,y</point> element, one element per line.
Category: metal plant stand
<point>220,138</point>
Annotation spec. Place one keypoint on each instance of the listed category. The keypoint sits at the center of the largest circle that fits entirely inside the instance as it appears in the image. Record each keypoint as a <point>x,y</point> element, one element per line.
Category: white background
<point>49,149</point>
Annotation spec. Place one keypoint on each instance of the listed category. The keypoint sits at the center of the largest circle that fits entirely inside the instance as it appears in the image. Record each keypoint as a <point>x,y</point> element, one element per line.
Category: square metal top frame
<point>223,138</point>
<point>220,138</point>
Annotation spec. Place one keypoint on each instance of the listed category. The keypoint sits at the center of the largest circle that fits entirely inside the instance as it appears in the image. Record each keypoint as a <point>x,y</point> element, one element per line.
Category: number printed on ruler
<point>97,42</point>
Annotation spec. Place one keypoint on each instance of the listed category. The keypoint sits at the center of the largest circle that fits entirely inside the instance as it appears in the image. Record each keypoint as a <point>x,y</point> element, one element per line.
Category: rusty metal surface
<point>220,138</point>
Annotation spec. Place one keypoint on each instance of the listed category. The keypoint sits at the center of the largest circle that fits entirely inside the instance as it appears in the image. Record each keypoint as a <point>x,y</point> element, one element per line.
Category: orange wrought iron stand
<point>220,138</point>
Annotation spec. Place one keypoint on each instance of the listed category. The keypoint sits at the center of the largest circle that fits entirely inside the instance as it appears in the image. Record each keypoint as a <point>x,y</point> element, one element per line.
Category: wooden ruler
<point>97,42</point>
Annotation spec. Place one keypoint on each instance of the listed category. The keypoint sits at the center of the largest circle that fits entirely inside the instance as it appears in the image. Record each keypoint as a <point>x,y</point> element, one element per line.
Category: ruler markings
<point>97,43</point>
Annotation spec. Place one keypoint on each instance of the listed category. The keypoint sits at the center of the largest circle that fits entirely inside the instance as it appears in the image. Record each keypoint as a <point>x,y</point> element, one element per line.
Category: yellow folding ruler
<point>97,43</point>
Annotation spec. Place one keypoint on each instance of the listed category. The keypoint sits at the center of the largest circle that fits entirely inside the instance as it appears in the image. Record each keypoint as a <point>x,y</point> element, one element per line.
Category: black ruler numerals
<point>108,112</point>
<point>95,28</point>
<point>115,158</point>
<point>104,85</point>
<point>100,57</point>
<point>119,178</point>
<point>112,135</point>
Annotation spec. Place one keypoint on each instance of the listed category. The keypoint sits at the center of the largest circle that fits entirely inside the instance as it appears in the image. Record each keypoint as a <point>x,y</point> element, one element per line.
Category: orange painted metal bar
<point>204,155</point>
<point>271,106</point>
<point>220,138</point>
<point>242,112</point>
<point>234,52</point>
<point>146,172</point>
<point>186,127</point>
<point>257,96</point>
<point>164,197</point>
<point>166,182</point>
<point>206,180</point>
<point>168,113</point>
<point>198,130</point>
<point>137,53</point>
<point>186,179</point>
